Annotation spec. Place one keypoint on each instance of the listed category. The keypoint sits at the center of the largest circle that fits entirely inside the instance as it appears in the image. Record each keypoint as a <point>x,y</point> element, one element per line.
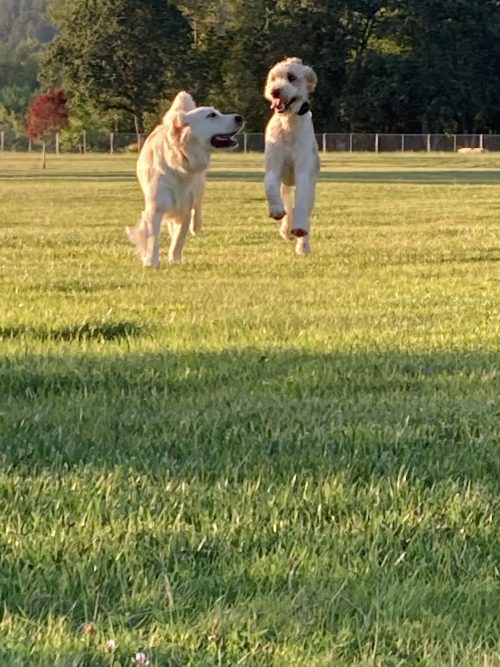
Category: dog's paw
<point>299,232</point>
<point>303,247</point>
<point>285,231</point>
<point>277,213</point>
<point>285,234</point>
<point>150,263</point>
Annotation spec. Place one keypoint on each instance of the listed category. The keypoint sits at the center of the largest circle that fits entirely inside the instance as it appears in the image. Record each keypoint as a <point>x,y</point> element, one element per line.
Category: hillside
<point>24,19</point>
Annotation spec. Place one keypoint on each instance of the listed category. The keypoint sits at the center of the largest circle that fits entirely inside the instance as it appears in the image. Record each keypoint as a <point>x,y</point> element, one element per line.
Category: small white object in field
<point>466,149</point>
<point>111,645</point>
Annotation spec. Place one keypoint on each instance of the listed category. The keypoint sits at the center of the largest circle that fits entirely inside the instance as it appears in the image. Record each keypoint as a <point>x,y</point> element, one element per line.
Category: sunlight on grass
<point>249,458</point>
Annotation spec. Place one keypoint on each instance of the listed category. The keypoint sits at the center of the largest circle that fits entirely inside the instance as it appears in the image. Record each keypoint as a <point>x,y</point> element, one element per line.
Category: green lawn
<point>252,459</point>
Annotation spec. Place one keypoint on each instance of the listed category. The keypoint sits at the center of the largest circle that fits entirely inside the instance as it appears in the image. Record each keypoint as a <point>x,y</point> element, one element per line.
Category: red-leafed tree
<point>47,115</point>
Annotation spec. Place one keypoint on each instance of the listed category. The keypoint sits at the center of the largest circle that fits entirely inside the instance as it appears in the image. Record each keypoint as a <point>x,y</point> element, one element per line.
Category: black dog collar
<point>303,109</point>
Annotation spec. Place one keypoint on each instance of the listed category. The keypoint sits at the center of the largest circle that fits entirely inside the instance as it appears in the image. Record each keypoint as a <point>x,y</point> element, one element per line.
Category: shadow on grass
<point>424,177</point>
<point>251,412</point>
<point>305,499</point>
<point>48,175</point>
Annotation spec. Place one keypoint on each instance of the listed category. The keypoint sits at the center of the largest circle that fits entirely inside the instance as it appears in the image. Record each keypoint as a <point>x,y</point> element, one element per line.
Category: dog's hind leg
<point>196,220</point>
<point>169,224</point>
<point>196,217</point>
<point>287,222</point>
<point>303,246</point>
<point>304,202</point>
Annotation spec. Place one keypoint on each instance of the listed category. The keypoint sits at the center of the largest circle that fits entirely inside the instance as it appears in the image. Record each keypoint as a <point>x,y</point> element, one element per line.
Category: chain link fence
<point>253,142</point>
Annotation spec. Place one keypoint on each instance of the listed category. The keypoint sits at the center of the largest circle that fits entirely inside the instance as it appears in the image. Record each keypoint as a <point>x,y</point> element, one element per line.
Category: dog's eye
<point>212,114</point>
<point>291,78</point>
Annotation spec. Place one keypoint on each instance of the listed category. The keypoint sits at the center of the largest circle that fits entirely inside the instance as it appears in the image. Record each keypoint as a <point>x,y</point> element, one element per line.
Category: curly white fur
<point>291,150</point>
<point>171,171</point>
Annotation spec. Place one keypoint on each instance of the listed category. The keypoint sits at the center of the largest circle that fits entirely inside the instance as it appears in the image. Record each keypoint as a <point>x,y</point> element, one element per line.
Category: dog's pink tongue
<point>275,103</point>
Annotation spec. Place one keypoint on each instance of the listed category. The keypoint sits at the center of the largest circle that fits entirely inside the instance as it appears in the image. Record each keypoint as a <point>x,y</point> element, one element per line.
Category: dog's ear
<point>179,119</point>
<point>178,132</point>
<point>183,102</point>
<point>174,118</point>
<point>311,78</point>
<point>178,125</point>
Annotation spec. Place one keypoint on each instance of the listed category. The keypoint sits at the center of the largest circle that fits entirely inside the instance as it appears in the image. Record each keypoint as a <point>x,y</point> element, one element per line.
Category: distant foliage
<point>47,114</point>
<point>383,65</point>
<point>22,20</point>
<point>118,54</point>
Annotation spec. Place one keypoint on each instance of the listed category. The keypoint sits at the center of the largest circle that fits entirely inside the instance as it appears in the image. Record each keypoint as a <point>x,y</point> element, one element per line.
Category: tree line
<point>382,65</point>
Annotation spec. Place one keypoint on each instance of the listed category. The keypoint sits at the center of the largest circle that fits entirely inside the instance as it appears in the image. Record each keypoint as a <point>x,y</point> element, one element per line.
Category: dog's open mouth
<point>224,140</point>
<point>280,105</point>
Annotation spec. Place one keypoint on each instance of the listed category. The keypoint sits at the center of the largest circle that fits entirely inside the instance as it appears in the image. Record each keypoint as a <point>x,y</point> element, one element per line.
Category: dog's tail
<point>182,102</point>
<point>137,235</point>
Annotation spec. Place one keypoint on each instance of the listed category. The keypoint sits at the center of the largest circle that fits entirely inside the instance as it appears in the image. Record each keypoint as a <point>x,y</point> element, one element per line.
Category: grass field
<point>251,459</point>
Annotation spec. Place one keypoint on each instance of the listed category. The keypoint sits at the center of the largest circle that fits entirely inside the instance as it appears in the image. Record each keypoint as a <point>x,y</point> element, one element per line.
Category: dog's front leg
<point>152,222</point>
<point>274,167</point>
<point>287,223</point>
<point>276,207</point>
<point>180,231</point>
<point>196,217</point>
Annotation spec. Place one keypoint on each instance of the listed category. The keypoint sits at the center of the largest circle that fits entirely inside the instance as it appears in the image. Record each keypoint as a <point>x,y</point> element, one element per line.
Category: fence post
<point>84,142</point>
<point>428,147</point>
<point>350,142</point>
<point>2,140</point>
<point>454,143</point>
<point>29,144</point>
<point>324,142</point>
<point>481,141</point>
<point>57,143</point>
<point>245,145</point>
<point>376,142</point>
<point>402,143</point>
<point>112,140</point>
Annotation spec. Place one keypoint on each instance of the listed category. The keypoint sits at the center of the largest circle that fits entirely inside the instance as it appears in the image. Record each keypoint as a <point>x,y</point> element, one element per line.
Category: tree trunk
<point>139,128</point>
<point>44,161</point>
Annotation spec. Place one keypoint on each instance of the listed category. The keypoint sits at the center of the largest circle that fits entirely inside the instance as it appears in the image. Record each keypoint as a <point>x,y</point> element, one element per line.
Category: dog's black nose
<point>238,119</point>
<point>276,92</point>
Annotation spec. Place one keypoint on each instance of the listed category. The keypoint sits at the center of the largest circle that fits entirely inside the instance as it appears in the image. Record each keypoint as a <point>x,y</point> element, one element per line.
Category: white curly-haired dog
<point>171,171</point>
<point>291,150</point>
